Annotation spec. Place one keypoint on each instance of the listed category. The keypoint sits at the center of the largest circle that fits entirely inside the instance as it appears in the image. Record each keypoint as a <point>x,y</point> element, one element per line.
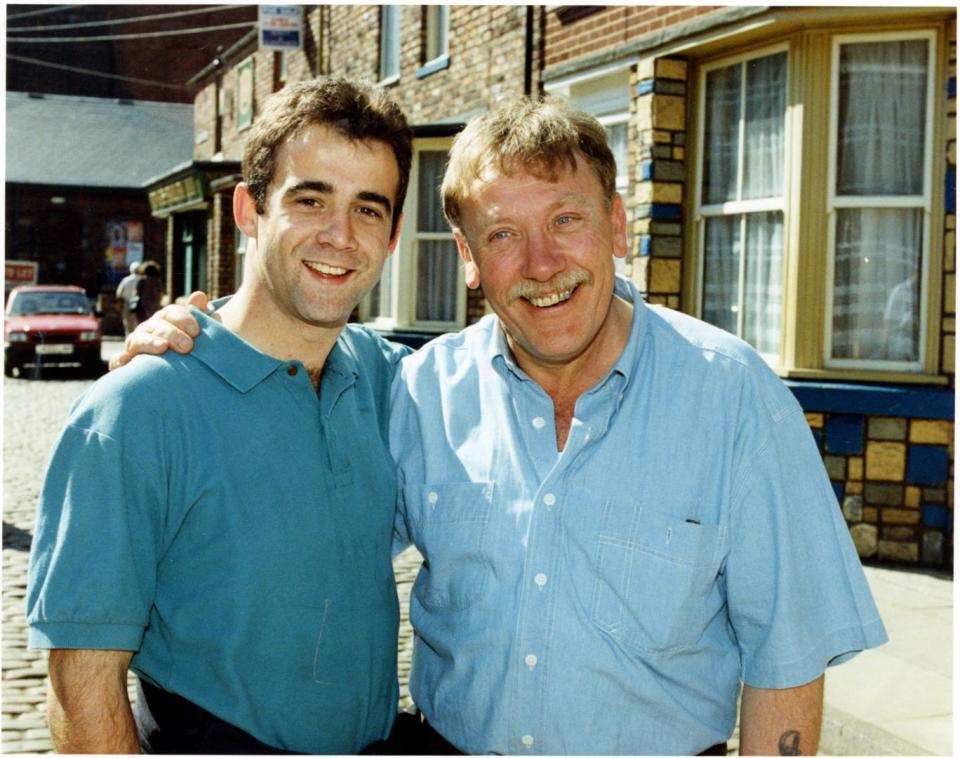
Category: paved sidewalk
<point>897,699</point>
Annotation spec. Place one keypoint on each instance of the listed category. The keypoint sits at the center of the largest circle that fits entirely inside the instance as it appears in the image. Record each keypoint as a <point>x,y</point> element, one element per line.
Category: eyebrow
<point>325,188</point>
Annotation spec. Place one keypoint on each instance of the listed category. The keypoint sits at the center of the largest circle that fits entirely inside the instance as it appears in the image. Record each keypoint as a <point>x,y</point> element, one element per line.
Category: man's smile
<point>326,269</point>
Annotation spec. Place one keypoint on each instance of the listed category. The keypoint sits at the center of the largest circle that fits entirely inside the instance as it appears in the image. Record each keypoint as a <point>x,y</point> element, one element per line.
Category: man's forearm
<point>781,722</point>
<point>87,704</point>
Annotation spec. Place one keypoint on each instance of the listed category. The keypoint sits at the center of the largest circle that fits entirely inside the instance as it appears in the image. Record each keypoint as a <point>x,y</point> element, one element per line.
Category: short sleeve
<point>797,596</point>
<point>98,537</point>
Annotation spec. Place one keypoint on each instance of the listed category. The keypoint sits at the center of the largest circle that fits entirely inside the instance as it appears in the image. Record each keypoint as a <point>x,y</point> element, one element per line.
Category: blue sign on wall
<point>281,27</point>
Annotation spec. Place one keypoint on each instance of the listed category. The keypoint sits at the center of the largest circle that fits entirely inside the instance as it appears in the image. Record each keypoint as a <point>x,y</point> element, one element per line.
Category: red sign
<point>20,272</point>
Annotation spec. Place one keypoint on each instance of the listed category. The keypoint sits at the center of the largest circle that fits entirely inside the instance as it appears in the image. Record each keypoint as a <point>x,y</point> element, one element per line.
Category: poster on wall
<point>134,242</point>
<point>124,243</point>
<point>245,94</point>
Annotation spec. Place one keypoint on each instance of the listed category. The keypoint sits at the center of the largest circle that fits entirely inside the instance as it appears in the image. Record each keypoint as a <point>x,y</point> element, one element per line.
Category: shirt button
<point>540,579</point>
<point>531,660</point>
<point>527,740</point>
<point>292,370</point>
<point>549,499</point>
<point>538,423</point>
<point>432,498</point>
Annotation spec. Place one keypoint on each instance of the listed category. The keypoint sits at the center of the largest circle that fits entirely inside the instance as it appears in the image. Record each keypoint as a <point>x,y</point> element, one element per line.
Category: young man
<point>621,511</point>
<point>233,549</point>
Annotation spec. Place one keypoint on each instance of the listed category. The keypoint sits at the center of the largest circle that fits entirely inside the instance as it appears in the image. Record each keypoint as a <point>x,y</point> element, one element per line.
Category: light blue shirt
<point>213,514</point>
<point>611,598</point>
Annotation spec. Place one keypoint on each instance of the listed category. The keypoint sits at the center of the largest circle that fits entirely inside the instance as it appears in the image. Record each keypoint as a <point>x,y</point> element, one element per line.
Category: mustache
<point>560,283</point>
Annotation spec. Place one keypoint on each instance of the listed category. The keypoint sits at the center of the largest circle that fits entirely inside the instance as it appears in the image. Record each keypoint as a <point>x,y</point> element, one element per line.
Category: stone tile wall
<point>893,479</point>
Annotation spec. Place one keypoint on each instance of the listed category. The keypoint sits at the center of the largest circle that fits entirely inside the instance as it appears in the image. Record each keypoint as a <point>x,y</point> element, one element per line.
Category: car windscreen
<point>31,303</point>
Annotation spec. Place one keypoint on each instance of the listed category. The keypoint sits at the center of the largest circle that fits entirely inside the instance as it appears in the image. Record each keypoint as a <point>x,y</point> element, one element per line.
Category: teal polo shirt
<point>216,515</point>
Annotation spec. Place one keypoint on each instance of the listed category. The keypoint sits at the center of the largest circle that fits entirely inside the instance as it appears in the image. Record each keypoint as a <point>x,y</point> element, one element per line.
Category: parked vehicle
<point>50,324</point>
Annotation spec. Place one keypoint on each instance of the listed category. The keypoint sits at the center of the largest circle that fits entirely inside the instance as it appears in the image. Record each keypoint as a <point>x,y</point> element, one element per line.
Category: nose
<point>542,261</point>
<point>336,229</point>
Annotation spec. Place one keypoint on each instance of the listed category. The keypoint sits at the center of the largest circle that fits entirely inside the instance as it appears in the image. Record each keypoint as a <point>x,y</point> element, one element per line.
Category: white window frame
<point>743,207</point>
<point>390,26</point>
<point>925,202</point>
<point>403,282</point>
<point>610,104</point>
<point>437,33</point>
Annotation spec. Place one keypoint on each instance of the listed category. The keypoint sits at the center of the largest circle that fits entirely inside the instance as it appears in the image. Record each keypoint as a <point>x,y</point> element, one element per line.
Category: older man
<point>621,510</point>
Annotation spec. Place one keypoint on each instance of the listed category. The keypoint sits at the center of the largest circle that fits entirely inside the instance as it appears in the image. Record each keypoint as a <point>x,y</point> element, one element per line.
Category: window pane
<point>876,284</point>
<point>721,272</point>
<point>882,117</point>
<point>437,16</point>
<point>430,209</point>
<point>389,41</point>
<point>381,302</point>
<point>437,280</point>
<point>722,137</point>
<point>766,106</point>
<point>617,139</point>
<point>763,298</point>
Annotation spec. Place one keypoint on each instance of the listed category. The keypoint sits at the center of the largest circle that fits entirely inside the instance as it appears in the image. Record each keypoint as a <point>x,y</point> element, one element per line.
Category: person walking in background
<point>149,290</point>
<point>127,294</point>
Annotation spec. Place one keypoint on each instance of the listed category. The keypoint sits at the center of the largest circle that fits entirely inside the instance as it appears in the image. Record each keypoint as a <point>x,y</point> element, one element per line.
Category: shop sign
<point>19,272</point>
<point>181,192</point>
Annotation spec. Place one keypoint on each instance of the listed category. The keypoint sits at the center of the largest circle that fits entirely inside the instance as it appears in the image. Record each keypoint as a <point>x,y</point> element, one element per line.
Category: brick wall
<point>609,27</point>
<point>486,57</point>
<point>658,142</point>
<point>221,246</point>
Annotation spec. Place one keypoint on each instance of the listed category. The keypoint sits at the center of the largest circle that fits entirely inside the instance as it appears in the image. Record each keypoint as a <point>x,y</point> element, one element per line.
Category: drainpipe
<point>528,53</point>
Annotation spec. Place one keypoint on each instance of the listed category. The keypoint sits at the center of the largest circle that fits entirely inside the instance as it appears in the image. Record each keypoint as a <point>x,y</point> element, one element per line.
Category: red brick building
<point>789,175</point>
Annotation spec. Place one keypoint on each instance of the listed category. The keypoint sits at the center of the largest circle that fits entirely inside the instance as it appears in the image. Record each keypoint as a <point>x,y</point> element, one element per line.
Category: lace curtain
<point>743,252</point>
<point>438,273</point>
<point>880,154</point>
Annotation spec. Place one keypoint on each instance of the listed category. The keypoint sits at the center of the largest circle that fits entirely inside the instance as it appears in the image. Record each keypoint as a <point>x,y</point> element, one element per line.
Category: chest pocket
<point>450,529</point>
<point>654,582</point>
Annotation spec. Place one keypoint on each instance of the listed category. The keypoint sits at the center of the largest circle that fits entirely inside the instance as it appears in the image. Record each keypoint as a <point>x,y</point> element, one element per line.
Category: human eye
<point>565,219</point>
<point>307,201</point>
<point>499,235</point>
<point>370,211</point>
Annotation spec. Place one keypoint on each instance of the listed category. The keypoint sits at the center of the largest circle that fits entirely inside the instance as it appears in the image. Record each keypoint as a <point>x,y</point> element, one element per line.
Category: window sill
<point>431,67</point>
<point>389,81</point>
<point>905,401</point>
<point>873,377</point>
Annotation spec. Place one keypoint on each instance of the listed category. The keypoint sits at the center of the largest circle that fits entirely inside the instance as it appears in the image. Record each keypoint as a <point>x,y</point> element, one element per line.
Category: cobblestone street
<point>34,412</point>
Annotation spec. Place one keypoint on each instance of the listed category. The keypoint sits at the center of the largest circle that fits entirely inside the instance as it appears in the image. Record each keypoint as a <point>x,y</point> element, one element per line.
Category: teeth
<point>323,268</point>
<point>552,299</point>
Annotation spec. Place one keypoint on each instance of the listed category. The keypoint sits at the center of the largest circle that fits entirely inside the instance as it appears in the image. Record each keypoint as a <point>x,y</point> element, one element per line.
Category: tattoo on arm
<point>790,743</point>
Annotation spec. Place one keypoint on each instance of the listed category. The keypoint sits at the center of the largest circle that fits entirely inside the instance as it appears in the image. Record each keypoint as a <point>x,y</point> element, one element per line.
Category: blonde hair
<point>527,136</point>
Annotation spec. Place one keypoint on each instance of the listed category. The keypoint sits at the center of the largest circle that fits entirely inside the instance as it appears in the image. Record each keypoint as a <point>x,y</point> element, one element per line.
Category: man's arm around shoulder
<point>781,722</point>
<point>88,707</point>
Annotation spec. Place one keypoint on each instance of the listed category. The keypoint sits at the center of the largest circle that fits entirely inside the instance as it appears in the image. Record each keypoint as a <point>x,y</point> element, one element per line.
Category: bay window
<point>812,202</point>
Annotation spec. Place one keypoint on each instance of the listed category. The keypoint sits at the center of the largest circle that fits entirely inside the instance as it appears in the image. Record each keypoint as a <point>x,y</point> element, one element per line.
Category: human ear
<point>471,274</point>
<point>245,210</point>
<point>618,217</point>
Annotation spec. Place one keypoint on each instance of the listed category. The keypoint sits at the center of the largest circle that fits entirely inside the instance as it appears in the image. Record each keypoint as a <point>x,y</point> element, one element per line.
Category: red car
<point>50,324</point>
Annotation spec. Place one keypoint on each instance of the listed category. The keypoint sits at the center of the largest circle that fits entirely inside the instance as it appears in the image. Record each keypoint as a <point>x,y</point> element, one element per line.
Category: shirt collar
<point>243,367</point>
